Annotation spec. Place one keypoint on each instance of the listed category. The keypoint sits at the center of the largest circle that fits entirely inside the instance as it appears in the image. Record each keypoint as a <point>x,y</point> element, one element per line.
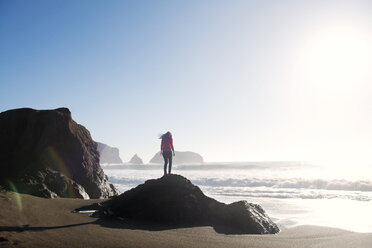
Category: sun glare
<point>338,59</point>
<point>332,80</point>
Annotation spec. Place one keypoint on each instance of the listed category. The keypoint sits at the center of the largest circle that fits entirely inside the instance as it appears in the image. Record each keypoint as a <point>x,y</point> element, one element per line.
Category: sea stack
<point>46,153</point>
<point>135,160</point>
<point>180,158</point>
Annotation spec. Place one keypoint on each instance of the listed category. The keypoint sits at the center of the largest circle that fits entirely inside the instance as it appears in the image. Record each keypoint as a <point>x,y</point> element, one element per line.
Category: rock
<point>174,201</point>
<point>108,154</point>
<point>136,160</point>
<point>179,158</point>
<point>46,153</point>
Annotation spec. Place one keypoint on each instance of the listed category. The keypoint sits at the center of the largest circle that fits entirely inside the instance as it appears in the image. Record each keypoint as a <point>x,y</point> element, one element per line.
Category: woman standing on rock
<point>167,150</point>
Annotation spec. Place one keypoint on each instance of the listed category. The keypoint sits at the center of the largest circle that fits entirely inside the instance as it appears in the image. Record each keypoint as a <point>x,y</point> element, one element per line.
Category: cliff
<point>179,158</point>
<point>108,154</point>
<point>46,153</point>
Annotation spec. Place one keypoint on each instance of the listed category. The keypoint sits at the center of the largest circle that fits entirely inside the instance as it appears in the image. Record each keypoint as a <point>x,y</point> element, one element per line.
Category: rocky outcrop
<point>174,201</point>
<point>179,158</point>
<point>108,154</point>
<point>135,160</point>
<point>46,153</point>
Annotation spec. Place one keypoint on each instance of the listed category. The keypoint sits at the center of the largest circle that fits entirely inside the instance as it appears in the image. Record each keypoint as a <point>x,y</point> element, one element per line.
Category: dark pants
<point>167,155</point>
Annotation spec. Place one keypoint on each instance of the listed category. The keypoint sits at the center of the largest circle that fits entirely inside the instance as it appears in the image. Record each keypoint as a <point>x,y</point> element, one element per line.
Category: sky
<point>232,80</point>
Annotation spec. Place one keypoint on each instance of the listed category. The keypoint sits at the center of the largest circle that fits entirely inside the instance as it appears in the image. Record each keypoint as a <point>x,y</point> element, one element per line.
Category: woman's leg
<point>170,163</point>
<point>165,162</point>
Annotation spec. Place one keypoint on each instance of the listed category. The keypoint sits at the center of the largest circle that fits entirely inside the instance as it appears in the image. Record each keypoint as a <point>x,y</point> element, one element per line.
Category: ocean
<point>291,193</point>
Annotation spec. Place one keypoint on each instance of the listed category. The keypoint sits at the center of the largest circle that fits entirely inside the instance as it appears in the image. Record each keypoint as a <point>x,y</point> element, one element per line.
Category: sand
<point>39,222</point>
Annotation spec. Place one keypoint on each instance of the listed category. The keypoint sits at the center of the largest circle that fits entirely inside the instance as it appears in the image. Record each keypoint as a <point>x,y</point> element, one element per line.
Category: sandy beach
<point>28,221</point>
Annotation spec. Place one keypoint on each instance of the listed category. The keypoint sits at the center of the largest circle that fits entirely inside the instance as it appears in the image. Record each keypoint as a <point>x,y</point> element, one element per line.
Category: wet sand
<point>37,222</point>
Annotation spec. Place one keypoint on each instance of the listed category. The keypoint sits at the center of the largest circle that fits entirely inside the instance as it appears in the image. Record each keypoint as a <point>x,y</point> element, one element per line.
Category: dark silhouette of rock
<point>46,153</point>
<point>108,154</point>
<point>136,160</point>
<point>179,158</point>
<point>174,201</point>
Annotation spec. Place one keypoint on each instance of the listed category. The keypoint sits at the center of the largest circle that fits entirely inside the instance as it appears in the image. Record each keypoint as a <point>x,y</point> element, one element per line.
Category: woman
<point>167,149</point>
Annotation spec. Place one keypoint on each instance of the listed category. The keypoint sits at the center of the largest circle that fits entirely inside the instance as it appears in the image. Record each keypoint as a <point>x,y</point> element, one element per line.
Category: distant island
<point>136,160</point>
<point>108,154</point>
<point>180,158</point>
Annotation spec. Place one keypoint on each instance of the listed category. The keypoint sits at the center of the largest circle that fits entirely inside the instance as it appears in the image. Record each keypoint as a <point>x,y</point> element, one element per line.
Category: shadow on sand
<point>25,228</point>
<point>108,223</point>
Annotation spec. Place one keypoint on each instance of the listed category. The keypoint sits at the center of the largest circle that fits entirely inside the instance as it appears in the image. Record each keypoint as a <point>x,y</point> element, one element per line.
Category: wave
<point>129,181</point>
<point>258,189</point>
<point>301,194</point>
<point>294,183</point>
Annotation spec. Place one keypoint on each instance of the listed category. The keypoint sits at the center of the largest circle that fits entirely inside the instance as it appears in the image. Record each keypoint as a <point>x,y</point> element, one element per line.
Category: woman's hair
<point>167,135</point>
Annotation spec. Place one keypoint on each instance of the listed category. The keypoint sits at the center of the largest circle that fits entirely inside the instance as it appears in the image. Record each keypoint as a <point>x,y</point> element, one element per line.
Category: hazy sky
<point>232,80</point>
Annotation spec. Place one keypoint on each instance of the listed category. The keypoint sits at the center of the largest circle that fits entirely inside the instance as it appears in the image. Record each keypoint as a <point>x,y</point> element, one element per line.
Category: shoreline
<point>298,196</point>
<point>41,222</point>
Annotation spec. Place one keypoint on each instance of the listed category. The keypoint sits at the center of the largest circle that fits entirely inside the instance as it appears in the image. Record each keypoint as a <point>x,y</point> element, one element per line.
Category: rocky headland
<point>173,201</point>
<point>108,154</point>
<point>180,158</point>
<point>46,153</point>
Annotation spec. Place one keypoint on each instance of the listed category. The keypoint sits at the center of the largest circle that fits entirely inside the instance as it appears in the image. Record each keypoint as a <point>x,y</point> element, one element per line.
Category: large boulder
<point>108,154</point>
<point>179,158</point>
<point>174,201</point>
<point>46,153</point>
